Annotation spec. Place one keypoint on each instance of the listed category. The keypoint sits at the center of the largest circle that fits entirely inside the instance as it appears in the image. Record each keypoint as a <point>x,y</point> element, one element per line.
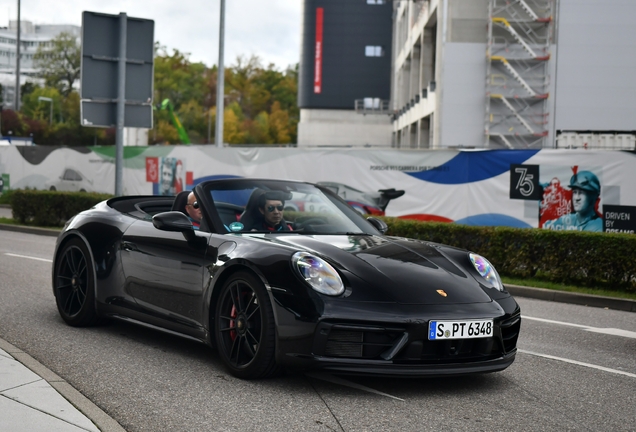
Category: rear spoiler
<point>387,195</point>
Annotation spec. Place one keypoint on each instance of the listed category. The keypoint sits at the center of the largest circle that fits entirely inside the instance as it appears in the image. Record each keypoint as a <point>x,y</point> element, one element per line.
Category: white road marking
<point>29,257</point>
<point>602,368</point>
<point>607,331</point>
<point>336,380</point>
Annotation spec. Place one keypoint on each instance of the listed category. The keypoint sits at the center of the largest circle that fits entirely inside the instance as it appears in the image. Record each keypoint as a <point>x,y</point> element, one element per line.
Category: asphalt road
<point>149,381</point>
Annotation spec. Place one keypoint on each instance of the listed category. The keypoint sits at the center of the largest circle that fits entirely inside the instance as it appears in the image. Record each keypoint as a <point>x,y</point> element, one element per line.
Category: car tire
<point>74,285</point>
<point>52,188</point>
<point>245,329</point>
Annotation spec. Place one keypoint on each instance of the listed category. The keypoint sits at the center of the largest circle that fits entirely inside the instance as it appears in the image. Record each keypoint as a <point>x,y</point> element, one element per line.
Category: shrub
<point>5,197</point>
<point>50,208</point>
<point>599,260</point>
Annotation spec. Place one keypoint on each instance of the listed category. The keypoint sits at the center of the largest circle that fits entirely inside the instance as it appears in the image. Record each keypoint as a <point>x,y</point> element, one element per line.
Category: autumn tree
<point>177,78</point>
<point>259,103</point>
<point>261,100</point>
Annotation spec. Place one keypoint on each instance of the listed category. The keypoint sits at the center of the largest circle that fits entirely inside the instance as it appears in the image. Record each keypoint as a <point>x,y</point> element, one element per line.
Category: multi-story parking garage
<point>513,74</point>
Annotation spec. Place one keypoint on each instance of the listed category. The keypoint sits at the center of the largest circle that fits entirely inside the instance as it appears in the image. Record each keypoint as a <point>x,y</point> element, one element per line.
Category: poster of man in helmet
<point>573,204</point>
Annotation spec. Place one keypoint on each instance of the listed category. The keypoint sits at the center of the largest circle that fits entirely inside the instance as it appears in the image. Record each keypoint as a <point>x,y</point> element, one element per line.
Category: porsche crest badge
<point>442,293</point>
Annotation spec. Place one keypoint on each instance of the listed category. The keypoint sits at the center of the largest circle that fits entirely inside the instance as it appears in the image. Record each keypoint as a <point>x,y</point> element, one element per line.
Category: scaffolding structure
<point>518,51</point>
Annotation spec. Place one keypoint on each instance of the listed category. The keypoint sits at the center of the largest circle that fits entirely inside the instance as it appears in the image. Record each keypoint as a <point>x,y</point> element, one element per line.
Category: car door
<point>66,181</point>
<point>77,182</point>
<point>164,274</point>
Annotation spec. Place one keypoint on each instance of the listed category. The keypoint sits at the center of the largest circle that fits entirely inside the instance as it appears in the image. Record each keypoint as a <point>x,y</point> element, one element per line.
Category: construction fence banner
<point>554,189</point>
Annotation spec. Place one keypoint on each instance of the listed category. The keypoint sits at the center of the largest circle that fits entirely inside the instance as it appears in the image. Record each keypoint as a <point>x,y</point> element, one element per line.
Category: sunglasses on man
<point>194,205</point>
<point>270,208</point>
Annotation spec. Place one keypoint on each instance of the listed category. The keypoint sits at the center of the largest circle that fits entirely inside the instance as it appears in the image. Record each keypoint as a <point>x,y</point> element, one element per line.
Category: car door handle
<point>127,246</point>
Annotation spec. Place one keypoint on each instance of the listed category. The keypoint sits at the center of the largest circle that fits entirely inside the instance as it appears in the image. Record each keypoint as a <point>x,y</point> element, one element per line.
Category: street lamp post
<point>220,91</point>
<point>49,100</point>
<point>17,65</point>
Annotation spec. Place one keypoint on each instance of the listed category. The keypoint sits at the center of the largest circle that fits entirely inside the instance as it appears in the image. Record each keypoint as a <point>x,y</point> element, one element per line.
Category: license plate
<point>467,329</point>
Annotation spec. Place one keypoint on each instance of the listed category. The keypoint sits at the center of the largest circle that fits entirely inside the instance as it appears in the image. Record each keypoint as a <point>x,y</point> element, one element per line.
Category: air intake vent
<point>343,340</point>
<point>510,332</point>
<point>342,343</point>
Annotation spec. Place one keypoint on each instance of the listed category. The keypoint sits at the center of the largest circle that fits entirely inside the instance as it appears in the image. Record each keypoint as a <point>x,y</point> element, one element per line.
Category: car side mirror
<point>172,221</point>
<point>378,224</point>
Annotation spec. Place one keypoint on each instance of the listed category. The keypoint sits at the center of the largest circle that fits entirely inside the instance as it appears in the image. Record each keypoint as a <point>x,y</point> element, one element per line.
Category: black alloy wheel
<point>244,327</point>
<point>74,284</point>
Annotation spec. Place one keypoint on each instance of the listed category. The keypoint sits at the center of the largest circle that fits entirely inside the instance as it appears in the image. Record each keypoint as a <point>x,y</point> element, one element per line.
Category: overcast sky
<point>267,28</point>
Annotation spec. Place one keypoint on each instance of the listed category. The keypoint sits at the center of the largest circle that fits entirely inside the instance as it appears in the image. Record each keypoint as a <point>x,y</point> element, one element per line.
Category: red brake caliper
<point>233,315</point>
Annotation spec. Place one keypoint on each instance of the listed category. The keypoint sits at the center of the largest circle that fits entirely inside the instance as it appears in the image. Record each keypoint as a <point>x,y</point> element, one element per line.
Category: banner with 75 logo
<point>524,182</point>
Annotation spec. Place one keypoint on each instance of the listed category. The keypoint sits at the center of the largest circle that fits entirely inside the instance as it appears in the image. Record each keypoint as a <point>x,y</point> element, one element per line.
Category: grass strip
<point>9,221</point>
<point>537,283</point>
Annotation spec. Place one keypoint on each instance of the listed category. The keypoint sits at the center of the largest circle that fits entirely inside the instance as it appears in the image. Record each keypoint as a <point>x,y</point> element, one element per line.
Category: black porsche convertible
<point>326,289</point>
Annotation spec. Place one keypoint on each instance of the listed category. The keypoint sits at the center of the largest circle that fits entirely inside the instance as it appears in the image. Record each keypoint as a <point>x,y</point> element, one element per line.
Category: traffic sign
<point>104,114</point>
<point>99,70</point>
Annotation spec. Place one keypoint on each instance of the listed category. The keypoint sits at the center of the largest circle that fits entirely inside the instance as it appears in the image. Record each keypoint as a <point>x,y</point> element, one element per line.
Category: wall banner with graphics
<point>552,189</point>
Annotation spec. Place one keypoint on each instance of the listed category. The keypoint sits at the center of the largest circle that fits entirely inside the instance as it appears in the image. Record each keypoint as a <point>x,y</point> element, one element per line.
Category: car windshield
<point>269,206</point>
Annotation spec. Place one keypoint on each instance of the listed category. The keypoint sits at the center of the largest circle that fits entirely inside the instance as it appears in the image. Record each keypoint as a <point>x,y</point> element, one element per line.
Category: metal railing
<point>372,106</point>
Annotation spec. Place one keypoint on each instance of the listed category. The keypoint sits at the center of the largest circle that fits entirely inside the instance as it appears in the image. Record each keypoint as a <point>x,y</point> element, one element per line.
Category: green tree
<point>166,133</point>
<point>260,129</point>
<point>177,78</point>
<point>185,83</point>
<point>267,97</point>
<point>59,63</point>
<point>71,108</point>
<point>233,132</point>
<point>33,108</point>
<point>244,87</point>
<point>27,88</point>
<point>193,119</point>
<point>282,86</point>
<point>280,125</point>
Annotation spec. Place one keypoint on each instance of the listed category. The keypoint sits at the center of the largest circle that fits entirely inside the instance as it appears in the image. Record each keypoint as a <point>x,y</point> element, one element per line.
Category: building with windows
<point>345,73</point>
<point>513,74</point>
<point>32,37</point>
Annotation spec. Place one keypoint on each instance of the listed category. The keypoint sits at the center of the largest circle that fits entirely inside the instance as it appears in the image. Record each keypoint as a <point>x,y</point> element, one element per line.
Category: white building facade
<point>513,74</point>
<point>32,36</point>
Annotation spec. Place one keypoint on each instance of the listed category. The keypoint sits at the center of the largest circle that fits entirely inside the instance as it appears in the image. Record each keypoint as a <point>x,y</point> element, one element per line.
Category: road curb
<point>30,230</point>
<point>103,421</point>
<point>572,298</point>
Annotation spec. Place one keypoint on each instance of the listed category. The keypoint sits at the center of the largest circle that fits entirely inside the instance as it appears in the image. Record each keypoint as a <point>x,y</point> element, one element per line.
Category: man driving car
<point>270,213</point>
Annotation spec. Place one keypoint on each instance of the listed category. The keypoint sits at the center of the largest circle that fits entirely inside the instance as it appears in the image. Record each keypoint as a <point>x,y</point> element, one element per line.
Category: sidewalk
<point>33,398</point>
<point>5,211</point>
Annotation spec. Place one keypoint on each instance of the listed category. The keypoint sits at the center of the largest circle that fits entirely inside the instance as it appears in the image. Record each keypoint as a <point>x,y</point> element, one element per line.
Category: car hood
<point>393,270</point>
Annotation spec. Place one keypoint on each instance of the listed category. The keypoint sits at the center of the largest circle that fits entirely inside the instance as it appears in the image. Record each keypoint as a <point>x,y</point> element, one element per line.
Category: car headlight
<point>318,273</point>
<point>487,271</point>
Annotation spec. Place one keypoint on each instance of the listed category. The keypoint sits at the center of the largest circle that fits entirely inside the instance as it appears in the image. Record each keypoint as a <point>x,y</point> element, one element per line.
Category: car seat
<point>180,202</point>
<point>252,217</point>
